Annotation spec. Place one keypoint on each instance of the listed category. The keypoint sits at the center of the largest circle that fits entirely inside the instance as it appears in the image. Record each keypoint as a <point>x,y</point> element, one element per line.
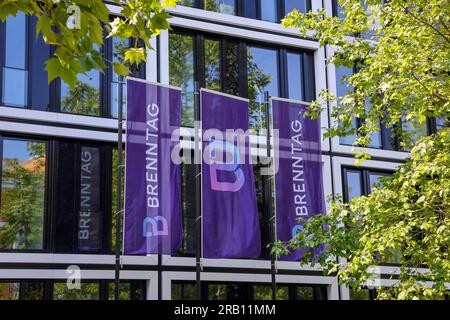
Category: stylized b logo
<point>150,227</point>
<point>232,167</point>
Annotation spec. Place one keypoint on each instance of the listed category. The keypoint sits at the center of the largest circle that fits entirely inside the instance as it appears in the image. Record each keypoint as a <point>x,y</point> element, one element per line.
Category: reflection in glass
<point>269,10</point>
<point>22,194</point>
<point>294,71</point>
<point>212,65</point>
<point>375,141</point>
<point>181,69</point>
<point>15,75</point>
<point>342,89</point>
<point>353,184</point>
<point>118,49</point>
<point>9,290</point>
<point>217,292</point>
<point>441,123</point>
<point>231,68</point>
<point>262,69</point>
<point>413,131</point>
<point>188,246</point>
<point>15,41</point>
<point>305,293</point>
<point>374,180</point>
<point>87,291</point>
<point>183,291</point>
<point>15,87</point>
<point>222,6</point>
<point>84,98</point>
<point>300,5</point>
<point>361,294</point>
<point>187,3</point>
<point>264,292</point>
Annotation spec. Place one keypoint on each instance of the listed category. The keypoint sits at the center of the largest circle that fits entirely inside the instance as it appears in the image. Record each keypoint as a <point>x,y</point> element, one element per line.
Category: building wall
<point>151,276</point>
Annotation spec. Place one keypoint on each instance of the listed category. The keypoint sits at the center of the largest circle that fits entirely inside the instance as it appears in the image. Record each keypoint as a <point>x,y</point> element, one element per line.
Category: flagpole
<point>119,190</point>
<point>198,177</point>
<point>269,194</point>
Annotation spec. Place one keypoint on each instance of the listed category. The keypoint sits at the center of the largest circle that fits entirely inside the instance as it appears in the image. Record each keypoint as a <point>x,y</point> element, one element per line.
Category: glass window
<point>414,131</point>
<point>354,186</point>
<point>183,291</point>
<point>374,179</point>
<point>264,292</point>
<point>300,5</point>
<point>87,291</point>
<point>22,194</point>
<point>250,9</point>
<point>188,246</point>
<point>342,89</point>
<point>222,6</point>
<point>181,69</point>
<point>361,294</point>
<point>262,69</point>
<point>212,65</point>
<point>9,290</point>
<point>84,98</point>
<point>441,123</point>
<point>118,49</point>
<point>376,140</point>
<point>232,68</point>
<point>217,292</point>
<point>187,3</point>
<point>129,290</point>
<point>305,293</point>
<point>294,71</point>
<point>15,75</point>
<point>269,10</point>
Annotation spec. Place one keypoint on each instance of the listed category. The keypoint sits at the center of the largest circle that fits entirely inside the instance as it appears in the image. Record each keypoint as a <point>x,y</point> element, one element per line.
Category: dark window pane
<point>87,291</point>
<point>187,3</point>
<point>181,69</point>
<point>361,294</point>
<point>183,291</point>
<point>231,68</point>
<point>32,290</point>
<point>294,71</point>
<point>9,290</point>
<point>23,193</point>
<point>223,6</point>
<point>15,42</point>
<point>305,293</point>
<point>414,131</point>
<point>15,87</point>
<point>40,90</point>
<point>374,179</point>
<point>125,291</point>
<point>269,10</point>
<point>89,215</point>
<point>217,292</point>
<point>250,9</point>
<point>212,65</point>
<point>188,246</point>
<point>441,123</point>
<point>84,98</point>
<point>300,5</point>
<point>308,70</point>
<point>114,197</point>
<point>353,179</point>
<point>262,66</point>
<point>264,292</point>
<point>342,89</point>
<point>118,49</point>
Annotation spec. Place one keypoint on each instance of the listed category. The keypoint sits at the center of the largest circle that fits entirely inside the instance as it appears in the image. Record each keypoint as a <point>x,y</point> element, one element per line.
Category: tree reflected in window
<point>22,194</point>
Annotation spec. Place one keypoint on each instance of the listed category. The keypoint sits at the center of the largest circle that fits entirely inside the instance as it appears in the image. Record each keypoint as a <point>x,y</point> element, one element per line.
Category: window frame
<point>47,196</point>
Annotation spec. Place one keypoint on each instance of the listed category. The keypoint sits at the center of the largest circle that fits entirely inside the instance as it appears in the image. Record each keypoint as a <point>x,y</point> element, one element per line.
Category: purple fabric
<point>298,182</point>
<point>230,212</point>
<point>152,180</point>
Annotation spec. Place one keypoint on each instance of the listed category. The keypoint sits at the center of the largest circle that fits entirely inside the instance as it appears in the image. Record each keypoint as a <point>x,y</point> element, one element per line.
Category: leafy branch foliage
<point>75,49</point>
<point>402,51</point>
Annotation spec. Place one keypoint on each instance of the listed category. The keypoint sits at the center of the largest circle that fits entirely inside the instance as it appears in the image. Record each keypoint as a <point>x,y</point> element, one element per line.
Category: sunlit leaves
<point>77,50</point>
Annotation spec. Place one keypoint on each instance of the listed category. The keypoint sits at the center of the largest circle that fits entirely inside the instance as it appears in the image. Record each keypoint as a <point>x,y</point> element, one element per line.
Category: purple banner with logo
<point>152,181</point>
<point>298,181</point>
<point>229,208</point>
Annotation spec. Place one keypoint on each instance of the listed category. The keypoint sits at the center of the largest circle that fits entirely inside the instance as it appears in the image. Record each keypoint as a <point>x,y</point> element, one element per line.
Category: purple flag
<point>152,181</point>
<point>230,212</point>
<point>298,181</point>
